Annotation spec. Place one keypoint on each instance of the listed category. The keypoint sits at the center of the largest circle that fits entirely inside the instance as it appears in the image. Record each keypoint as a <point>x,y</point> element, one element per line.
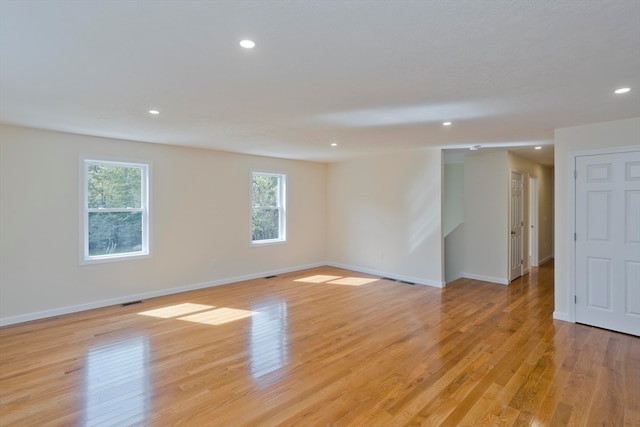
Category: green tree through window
<point>268,207</point>
<point>116,214</point>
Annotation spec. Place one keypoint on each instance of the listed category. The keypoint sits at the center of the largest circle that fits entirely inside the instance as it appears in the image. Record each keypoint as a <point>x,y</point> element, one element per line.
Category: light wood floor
<point>323,347</point>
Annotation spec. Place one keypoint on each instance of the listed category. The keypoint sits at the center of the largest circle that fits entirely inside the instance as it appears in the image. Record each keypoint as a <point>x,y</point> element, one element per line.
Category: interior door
<point>516,224</point>
<point>607,241</point>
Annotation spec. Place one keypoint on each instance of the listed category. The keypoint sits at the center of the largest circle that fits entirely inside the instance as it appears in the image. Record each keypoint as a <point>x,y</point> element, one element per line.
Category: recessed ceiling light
<point>622,90</point>
<point>446,124</point>
<point>537,148</point>
<point>334,144</point>
<point>155,112</point>
<point>247,44</point>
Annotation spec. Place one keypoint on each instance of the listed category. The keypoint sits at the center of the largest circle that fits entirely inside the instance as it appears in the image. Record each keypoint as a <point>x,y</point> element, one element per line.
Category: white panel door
<point>607,241</point>
<point>516,224</point>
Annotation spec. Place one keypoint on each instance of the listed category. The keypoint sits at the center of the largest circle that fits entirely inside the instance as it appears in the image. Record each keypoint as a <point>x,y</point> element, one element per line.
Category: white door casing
<point>607,241</point>
<point>515,225</point>
<point>533,221</point>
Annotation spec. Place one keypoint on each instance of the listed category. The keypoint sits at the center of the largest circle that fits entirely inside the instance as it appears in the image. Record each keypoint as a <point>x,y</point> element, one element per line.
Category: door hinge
<point>575,237</point>
<point>521,262</point>
<point>575,299</point>
<point>575,174</point>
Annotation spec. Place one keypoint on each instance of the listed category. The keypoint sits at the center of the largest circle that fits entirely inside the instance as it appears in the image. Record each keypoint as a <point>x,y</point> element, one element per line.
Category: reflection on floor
<point>117,383</point>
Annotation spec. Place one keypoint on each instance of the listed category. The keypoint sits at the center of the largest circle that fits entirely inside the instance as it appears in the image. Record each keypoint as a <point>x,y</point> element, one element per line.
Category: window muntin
<point>115,210</point>
<point>268,207</point>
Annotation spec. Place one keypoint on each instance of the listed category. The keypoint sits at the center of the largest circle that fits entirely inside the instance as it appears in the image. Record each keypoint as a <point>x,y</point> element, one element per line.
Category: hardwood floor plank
<point>562,415</point>
<point>605,408</point>
<point>324,346</point>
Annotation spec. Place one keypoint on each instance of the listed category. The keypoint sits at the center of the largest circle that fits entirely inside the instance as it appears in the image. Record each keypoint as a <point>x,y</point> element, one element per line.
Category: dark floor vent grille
<point>124,304</point>
<point>271,277</point>
<point>397,280</point>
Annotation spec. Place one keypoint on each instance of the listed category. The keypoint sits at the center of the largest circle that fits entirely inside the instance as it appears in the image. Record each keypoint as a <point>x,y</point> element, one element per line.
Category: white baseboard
<point>498,280</point>
<point>412,279</point>
<point>4,321</point>
<point>545,259</point>
<point>456,277</point>
<point>559,315</point>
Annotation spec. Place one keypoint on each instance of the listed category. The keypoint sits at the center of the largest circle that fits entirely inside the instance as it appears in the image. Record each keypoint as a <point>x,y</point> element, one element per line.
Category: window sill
<point>268,242</point>
<point>114,258</point>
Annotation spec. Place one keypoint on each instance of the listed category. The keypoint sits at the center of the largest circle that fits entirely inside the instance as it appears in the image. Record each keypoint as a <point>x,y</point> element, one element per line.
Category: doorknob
<point>513,233</point>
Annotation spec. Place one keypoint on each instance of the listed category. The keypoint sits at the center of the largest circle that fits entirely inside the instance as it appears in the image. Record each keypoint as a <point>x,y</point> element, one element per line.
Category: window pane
<point>114,232</point>
<point>265,191</point>
<point>265,224</point>
<point>114,186</point>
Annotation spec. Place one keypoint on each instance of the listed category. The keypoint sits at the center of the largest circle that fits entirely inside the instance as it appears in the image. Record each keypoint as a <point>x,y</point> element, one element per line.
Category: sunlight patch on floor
<point>219,316</point>
<point>176,310</point>
<point>319,278</point>
<point>199,313</point>
<point>337,280</point>
<point>353,281</point>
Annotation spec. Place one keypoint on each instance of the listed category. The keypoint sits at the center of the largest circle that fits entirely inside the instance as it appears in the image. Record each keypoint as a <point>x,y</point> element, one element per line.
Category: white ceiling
<point>373,76</point>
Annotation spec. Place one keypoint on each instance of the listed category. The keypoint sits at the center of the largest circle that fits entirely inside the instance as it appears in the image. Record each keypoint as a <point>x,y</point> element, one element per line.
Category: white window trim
<point>146,165</point>
<point>282,195</point>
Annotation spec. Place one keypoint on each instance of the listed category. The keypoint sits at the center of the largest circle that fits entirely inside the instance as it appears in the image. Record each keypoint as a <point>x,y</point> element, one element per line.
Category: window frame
<point>145,209</point>
<point>282,208</point>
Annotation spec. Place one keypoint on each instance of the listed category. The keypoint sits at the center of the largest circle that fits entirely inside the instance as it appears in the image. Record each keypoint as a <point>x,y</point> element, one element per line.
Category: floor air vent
<point>397,280</point>
<point>124,304</point>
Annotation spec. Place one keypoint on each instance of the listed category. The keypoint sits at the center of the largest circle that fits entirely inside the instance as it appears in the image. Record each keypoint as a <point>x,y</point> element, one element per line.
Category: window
<point>115,210</point>
<point>268,218</point>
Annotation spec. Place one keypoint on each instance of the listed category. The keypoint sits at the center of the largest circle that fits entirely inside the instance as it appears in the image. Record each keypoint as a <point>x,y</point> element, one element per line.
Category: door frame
<point>534,254</point>
<point>571,216</point>
<point>522,177</point>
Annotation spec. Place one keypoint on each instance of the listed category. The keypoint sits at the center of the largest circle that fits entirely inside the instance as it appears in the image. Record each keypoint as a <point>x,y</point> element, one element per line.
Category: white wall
<point>544,174</point>
<point>453,198</point>
<point>620,133</point>
<point>200,230</point>
<point>453,220</point>
<point>454,249</point>
<point>486,191</point>
<point>384,215</point>
<point>380,214</point>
